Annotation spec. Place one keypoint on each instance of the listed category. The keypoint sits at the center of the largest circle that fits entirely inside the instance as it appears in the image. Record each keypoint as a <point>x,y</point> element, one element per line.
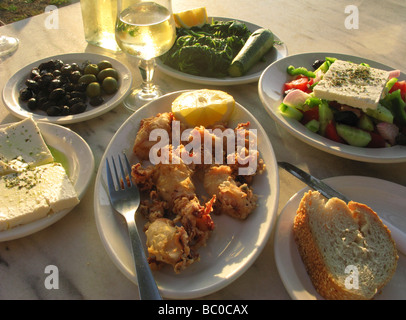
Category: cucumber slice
<point>365,123</point>
<point>290,112</point>
<point>325,116</point>
<point>353,136</point>
<point>313,125</point>
<point>381,113</point>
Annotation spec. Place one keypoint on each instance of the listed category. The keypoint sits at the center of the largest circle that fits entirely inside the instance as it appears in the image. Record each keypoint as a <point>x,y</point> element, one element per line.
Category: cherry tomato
<point>402,86</point>
<point>331,132</point>
<point>301,83</point>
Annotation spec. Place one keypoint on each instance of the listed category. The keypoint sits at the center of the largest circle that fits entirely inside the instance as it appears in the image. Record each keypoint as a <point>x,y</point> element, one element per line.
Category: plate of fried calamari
<point>209,198</point>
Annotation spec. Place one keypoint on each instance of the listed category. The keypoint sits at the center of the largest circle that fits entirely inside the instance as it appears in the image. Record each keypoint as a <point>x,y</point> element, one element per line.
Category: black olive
<point>41,101</point>
<point>57,73</point>
<point>65,110</point>
<point>75,76</point>
<point>64,78</point>
<point>25,94</point>
<point>78,94</point>
<point>32,84</point>
<point>58,64</point>
<point>66,69</point>
<point>73,101</point>
<point>44,106</point>
<point>32,104</point>
<point>46,79</point>
<point>75,67</point>
<point>69,87</point>
<point>96,101</point>
<point>42,94</point>
<point>316,64</point>
<point>346,117</point>
<point>54,111</point>
<point>34,73</point>
<point>78,108</point>
<point>42,66</point>
<point>56,94</point>
<point>55,83</point>
<point>37,78</point>
<point>49,65</point>
<point>81,87</point>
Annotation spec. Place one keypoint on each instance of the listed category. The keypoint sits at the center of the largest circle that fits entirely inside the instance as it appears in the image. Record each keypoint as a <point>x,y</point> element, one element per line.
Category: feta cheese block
<point>22,146</point>
<point>355,85</point>
<point>33,194</point>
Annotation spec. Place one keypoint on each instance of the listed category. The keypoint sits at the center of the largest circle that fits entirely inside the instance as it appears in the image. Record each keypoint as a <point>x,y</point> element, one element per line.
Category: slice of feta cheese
<point>355,85</point>
<point>22,146</point>
<point>33,194</point>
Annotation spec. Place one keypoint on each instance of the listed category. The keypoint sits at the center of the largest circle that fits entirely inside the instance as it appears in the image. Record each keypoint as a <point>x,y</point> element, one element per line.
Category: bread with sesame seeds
<point>347,251</point>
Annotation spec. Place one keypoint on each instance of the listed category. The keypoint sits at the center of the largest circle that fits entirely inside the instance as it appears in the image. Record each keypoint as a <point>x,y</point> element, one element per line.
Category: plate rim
<point>14,108</point>
<point>38,225</point>
<point>206,290</point>
<point>371,155</point>
<point>227,81</point>
<point>282,235</point>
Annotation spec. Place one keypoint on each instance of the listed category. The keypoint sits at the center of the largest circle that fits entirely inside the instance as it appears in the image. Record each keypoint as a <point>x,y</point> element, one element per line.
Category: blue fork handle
<point>146,283</point>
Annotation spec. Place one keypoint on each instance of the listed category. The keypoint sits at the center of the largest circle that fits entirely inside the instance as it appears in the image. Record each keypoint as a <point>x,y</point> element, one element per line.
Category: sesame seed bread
<point>347,251</point>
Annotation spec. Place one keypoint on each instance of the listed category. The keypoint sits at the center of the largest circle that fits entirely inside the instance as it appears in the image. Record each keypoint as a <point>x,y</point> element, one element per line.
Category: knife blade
<point>398,235</point>
<point>312,181</point>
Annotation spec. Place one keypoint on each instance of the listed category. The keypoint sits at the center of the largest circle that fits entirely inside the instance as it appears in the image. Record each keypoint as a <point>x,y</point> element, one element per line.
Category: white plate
<point>277,52</point>
<point>80,167</point>
<point>233,245</point>
<point>384,197</point>
<point>16,83</point>
<point>270,88</point>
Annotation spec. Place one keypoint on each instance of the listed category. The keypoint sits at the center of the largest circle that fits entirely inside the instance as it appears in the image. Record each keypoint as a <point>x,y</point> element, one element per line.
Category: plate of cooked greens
<point>204,54</point>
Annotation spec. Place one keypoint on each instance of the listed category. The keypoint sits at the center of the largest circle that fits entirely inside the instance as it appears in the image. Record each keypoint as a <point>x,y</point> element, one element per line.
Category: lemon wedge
<point>191,18</point>
<point>203,107</point>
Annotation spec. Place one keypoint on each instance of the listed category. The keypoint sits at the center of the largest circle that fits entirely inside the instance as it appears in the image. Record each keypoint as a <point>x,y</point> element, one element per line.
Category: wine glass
<point>7,45</point>
<point>146,30</point>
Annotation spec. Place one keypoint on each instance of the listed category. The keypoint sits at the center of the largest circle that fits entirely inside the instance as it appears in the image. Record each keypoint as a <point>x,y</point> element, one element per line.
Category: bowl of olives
<point>67,88</point>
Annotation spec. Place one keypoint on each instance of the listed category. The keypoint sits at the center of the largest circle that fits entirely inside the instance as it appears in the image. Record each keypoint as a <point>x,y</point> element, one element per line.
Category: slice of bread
<point>347,251</point>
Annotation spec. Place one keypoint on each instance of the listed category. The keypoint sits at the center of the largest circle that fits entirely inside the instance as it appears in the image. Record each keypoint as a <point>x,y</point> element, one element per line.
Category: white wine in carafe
<point>99,19</point>
<point>145,30</point>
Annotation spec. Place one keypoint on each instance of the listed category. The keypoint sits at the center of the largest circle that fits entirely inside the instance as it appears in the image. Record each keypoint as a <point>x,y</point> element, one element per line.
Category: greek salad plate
<point>270,88</point>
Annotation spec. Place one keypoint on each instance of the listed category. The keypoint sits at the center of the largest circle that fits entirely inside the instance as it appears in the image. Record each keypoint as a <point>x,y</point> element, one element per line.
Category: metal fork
<point>125,199</point>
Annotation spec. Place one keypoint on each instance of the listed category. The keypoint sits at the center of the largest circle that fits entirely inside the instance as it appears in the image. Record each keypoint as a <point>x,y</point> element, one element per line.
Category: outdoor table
<point>73,243</point>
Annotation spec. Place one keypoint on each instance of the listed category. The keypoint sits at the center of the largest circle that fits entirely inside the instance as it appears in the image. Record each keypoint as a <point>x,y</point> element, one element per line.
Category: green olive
<point>104,64</point>
<point>110,85</point>
<point>93,90</point>
<point>91,69</point>
<point>87,78</point>
<point>109,72</point>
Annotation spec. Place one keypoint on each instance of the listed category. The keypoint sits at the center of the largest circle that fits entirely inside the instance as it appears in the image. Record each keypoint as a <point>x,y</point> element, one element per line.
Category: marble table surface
<point>73,243</point>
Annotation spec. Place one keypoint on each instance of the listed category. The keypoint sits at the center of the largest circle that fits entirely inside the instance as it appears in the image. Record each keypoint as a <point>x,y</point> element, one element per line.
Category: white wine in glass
<point>146,30</point>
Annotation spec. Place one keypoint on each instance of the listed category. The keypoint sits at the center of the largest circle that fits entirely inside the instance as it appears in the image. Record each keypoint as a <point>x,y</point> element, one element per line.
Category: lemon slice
<point>191,18</point>
<point>203,107</point>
